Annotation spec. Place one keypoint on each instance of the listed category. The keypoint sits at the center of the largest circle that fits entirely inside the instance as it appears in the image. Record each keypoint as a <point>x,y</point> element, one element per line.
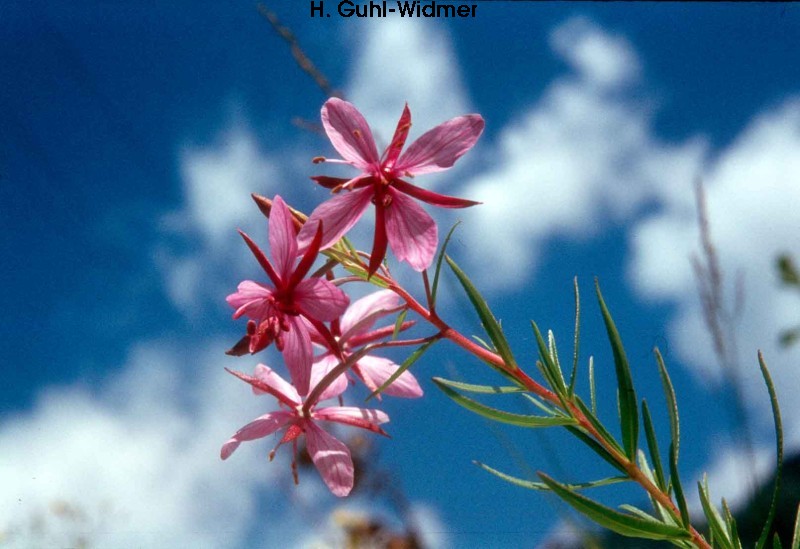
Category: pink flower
<point>353,331</point>
<point>275,310</point>
<point>399,220</point>
<point>330,455</point>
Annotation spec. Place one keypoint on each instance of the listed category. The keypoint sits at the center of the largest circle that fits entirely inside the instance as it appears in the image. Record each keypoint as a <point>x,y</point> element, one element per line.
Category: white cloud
<point>600,58</point>
<point>752,191</point>
<point>137,460</point>
<point>136,463</point>
<point>734,475</point>
<point>579,158</point>
<point>200,241</point>
<point>218,182</point>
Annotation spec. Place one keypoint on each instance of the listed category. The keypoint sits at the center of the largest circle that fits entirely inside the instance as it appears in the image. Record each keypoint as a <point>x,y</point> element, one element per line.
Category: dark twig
<point>721,323</point>
<point>299,55</point>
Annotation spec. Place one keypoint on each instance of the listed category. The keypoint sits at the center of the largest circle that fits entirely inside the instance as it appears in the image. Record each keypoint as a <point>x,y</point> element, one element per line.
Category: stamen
<point>318,159</point>
<point>357,134</point>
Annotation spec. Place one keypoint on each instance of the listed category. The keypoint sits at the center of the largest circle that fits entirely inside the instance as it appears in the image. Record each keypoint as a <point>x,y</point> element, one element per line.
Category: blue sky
<point>131,138</point>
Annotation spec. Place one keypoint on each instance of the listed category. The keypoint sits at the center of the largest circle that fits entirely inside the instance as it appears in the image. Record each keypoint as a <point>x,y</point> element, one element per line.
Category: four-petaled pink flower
<point>399,220</point>
<point>275,310</point>
<point>352,331</point>
<point>330,455</point>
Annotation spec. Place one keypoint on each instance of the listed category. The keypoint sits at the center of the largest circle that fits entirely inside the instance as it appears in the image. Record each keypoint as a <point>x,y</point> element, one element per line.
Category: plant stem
<point>631,468</point>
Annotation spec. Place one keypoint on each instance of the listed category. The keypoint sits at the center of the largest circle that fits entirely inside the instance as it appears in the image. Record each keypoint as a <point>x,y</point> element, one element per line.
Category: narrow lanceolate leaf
<point>485,389</point>
<point>550,368</point>
<point>716,525</point>
<point>407,363</point>
<point>621,523</point>
<point>672,403</point>
<point>399,323</point>
<point>730,522</point>
<point>652,446</point>
<point>596,448</point>
<point>546,408</point>
<point>592,390</point>
<point>435,285</point>
<point>490,324</point>
<point>776,414</point>
<point>576,340</point>
<point>628,405</point>
<point>796,535</point>
<point>676,485</point>
<point>533,485</point>
<point>501,415</point>
<point>599,427</point>
<point>663,514</point>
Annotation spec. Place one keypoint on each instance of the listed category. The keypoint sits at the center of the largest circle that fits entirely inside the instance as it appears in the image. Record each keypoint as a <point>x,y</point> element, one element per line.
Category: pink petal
<point>362,314</point>
<point>258,428</point>
<point>297,354</point>
<point>282,238</point>
<point>332,459</point>
<point>380,369</point>
<point>269,377</point>
<point>349,133</point>
<point>320,299</point>
<point>439,148</point>
<point>412,233</point>
<point>338,215</point>
<point>251,299</point>
<point>399,139</point>
<point>322,366</point>
<point>350,415</point>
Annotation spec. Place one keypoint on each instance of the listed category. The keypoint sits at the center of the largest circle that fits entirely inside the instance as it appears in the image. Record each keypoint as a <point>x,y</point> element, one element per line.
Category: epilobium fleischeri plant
<point>328,346</point>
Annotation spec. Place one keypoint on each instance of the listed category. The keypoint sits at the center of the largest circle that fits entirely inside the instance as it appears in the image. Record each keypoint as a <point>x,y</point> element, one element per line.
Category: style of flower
<point>330,455</point>
<point>276,311</point>
<point>399,220</point>
<point>354,330</point>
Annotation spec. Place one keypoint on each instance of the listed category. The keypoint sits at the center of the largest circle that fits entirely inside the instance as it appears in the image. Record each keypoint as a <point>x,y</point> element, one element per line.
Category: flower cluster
<point>327,343</point>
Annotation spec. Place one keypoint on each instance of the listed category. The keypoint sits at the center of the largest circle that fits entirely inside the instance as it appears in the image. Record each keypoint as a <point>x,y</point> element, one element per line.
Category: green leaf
<point>399,323</point>
<point>576,339</point>
<point>733,533</point>
<point>621,523</point>
<point>546,408</point>
<point>533,485</point>
<point>599,427</point>
<point>676,485</point>
<point>595,446</point>
<point>490,324</point>
<point>639,513</point>
<point>628,404</point>
<point>549,367</point>
<point>435,285</point>
<point>776,542</point>
<point>485,389</point>
<point>715,522</point>
<point>665,514</point>
<point>407,363</point>
<point>652,446</point>
<point>789,337</point>
<point>672,403</point>
<point>788,271</point>
<point>344,252</point>
<point>501,415</point>
<point>592,391</point>
<point>776,414</point>
<point>796,535</point>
